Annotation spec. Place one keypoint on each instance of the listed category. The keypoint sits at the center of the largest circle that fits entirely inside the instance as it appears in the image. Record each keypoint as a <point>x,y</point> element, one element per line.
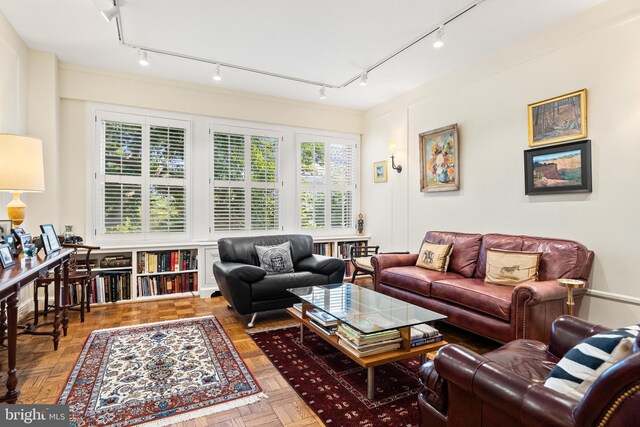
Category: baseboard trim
<point>613,297</point>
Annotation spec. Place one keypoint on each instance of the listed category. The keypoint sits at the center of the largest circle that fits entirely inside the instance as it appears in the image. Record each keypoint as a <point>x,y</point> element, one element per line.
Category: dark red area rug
<point>335,387</point>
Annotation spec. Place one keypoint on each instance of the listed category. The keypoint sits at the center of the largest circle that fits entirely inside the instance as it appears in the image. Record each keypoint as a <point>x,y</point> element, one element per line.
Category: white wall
<point>597,50</point>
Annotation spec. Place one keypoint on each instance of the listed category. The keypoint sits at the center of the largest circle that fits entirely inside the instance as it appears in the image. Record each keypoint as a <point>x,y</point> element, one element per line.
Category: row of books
<point>111,287</point>
<point>323,249</point>
<point>363,345</point>
<point>344,248</point>
<point>167,284</point>
<point>166,261</point>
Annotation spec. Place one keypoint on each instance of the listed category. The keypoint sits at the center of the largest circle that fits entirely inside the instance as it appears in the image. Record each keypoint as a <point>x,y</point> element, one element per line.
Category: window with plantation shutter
<point>245,180</point>
<point>327,182</point>
<point>142,184</point>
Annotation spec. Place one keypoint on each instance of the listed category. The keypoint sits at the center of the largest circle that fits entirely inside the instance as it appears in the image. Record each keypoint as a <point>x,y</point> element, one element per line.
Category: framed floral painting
<point>439,160</point>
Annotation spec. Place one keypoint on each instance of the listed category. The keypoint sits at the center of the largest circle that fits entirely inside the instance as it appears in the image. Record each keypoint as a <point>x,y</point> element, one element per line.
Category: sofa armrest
<point>320,264</point>
<point>234,280</point>
<point>382,261</point>
<point>535,305</point>
<point>245,272</point>
<point>567,331</point>
<point>518,397</point>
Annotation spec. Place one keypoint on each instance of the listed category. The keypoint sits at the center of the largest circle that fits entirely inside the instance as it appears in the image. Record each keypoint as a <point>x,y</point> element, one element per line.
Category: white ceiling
<point>328,41</point>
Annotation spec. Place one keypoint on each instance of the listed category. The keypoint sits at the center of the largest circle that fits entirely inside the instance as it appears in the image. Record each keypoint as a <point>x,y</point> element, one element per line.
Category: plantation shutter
<point>121,169</point>
<point>327,180</point>
<point>246,180</point>
<point>142,180</point>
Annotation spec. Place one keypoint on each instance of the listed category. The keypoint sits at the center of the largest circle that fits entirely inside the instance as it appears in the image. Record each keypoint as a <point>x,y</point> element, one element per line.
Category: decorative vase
<point>442,176</point>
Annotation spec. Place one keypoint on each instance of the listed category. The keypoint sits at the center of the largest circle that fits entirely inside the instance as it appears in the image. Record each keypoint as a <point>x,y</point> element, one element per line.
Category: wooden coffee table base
<point>369,362</point>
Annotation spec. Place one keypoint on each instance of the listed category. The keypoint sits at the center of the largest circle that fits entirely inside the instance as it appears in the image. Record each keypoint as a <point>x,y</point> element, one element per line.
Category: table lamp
<point>570,284</point>
<point>21,171</point>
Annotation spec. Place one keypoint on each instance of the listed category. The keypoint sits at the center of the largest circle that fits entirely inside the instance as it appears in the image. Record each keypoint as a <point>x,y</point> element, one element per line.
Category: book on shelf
<point>167,284</point>
<point>167,261</point>
<point>423,330</point>
<point>115,261</point>
<point>327,330</point>
<point>415,342</point>
<point>111,287</point>
<point>321,317</point>
<point>370,346</point>
<point>362,339</point>
<point>368,352</point>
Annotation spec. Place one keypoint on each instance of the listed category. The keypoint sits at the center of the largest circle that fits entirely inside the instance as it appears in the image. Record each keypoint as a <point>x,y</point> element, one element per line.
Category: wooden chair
<point>361,260</point>
<point>79,274</point>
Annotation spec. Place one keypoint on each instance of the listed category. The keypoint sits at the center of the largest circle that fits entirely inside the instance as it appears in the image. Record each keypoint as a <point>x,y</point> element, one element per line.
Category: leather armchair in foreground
<point>249,289</point>
<point>505,387</point>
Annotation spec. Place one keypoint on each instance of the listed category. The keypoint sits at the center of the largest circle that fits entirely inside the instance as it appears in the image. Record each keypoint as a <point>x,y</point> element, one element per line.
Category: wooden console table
<point>12,280</point>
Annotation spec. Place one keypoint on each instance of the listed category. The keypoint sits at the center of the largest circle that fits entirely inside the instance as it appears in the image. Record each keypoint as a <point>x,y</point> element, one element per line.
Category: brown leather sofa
<point>505,387</point>
<point>502,313</point>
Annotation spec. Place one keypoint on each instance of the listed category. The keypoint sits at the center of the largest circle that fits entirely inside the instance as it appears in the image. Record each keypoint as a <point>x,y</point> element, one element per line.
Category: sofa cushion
<point>434,256</point>
<point>527,358</point>
<point>511,267</point>
<point>560,258</point>
<point>275,259</point>
<point>586,361</point>
<point>476,294</point>
<point>275,286</point>
<point>465,250</point>
<point>414,279</point>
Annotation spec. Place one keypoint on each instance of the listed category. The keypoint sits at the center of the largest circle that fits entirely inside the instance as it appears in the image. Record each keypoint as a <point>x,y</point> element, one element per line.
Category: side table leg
<point>301,332</point>
<point>370,383</point>
<point>12,378</point>
<point>66,296</point>
<point>3,321</point>
<point>56,307</point>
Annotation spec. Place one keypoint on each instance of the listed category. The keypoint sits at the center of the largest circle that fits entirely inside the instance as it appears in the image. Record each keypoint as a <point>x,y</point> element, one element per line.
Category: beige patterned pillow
<point>433,256</point>
<point>511,267</point>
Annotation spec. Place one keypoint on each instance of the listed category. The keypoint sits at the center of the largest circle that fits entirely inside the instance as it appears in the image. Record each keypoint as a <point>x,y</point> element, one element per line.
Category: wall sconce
<point>398,168</point>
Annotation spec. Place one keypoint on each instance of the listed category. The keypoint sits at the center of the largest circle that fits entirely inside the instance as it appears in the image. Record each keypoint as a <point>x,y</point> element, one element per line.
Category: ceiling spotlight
<point>142,58</point>
<point>438,43</point>
<point>363,79</point>
<point>217,77</point>
<point>109,14</point>
<point>323,93</point>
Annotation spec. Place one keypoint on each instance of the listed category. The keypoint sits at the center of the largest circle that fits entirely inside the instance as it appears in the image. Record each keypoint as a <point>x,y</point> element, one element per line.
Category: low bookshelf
<point>339,247</point>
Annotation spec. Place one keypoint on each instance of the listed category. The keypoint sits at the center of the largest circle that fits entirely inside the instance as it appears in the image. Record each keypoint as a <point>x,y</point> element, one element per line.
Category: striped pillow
<point>585,362</point>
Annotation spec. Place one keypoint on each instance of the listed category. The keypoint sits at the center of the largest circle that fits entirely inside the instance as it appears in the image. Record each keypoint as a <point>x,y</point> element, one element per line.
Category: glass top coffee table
<point>366,312</point>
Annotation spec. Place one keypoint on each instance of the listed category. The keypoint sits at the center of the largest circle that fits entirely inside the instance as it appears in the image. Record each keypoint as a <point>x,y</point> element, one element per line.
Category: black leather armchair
<point>249,289</point>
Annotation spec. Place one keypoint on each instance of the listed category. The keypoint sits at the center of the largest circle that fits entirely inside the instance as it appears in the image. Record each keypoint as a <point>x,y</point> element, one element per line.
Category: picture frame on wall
<point>6,259</point>
<point>380,171</point>
<point>563,168</point>
<point>5,226</point>
<point>50,240</point>
<point>559,119</point>
<point>440,160</point>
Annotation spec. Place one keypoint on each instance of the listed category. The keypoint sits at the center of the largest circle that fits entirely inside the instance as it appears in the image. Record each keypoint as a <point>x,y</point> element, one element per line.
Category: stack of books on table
<point>424,334</point>
<point>362,345</point>
<point>320,319</point>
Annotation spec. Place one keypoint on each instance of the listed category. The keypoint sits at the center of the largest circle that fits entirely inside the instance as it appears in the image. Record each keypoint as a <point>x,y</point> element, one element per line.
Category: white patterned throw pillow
<point>585,362</point>
<point>276,259</point>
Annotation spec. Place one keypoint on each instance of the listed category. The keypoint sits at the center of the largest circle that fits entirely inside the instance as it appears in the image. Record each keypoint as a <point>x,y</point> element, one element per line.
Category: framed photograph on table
<point>439,160</point>
<point>6,259</point>
<point>559,119</point>
<point>10,240</point>
<point>5,226</point>
<point>50,240</point>
<point>564,168</point>
<point>25,239</point>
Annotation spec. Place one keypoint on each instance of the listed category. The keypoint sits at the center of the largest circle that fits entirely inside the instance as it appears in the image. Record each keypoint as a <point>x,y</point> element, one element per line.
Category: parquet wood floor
<point>44,372</point>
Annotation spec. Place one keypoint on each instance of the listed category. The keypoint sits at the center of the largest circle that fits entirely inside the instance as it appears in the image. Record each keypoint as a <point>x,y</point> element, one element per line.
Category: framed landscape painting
<point>380,171</point>
<point>559,119</point>
<point>439,160</point>
<point>562,168</point>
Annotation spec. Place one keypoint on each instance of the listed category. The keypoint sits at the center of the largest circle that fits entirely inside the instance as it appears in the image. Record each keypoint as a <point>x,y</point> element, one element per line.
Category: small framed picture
<point>380,171</point>
<point>10,240</point>
<point>17,232</point>
<point>25,239</point>
<point>49,239</point>
<point>6,259</point>
<point>5,226</point>
<point>563,168</point>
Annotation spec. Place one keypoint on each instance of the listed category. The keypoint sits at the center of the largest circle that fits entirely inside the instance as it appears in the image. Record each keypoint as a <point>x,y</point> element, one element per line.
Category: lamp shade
<point>22,168</point>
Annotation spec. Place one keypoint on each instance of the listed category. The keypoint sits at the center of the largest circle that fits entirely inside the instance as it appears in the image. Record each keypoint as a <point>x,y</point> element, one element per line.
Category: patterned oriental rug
<point>157,374</point>
<point>335,387</point>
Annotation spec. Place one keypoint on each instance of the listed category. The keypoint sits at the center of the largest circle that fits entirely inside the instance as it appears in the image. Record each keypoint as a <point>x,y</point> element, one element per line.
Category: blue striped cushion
<point>584,363</point>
